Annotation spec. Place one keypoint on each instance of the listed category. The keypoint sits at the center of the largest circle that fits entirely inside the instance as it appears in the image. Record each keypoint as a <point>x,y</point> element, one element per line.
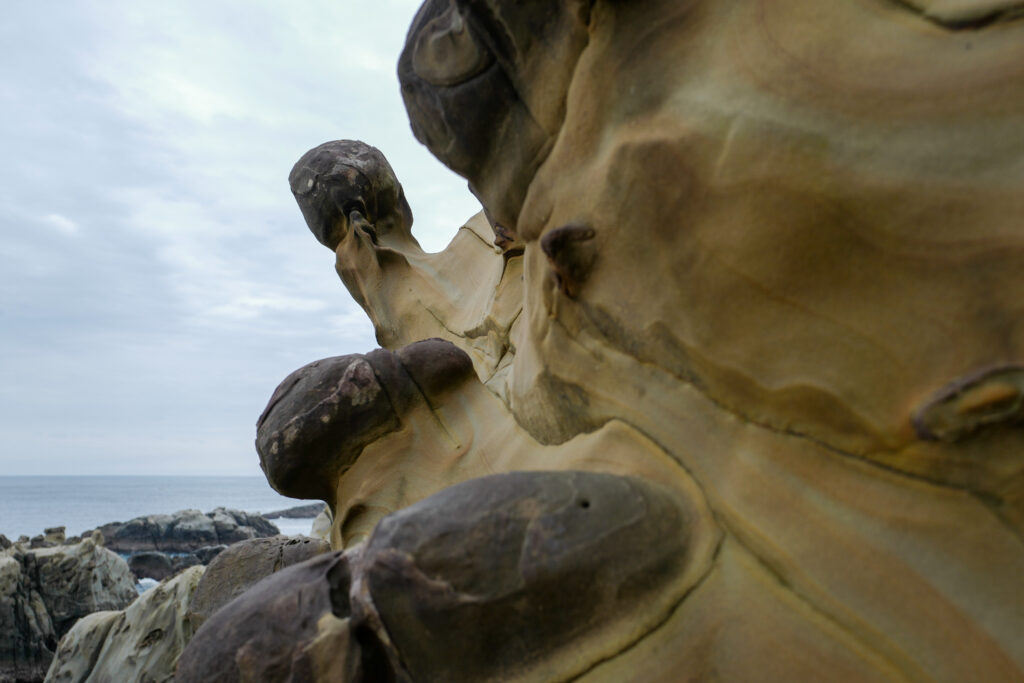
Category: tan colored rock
<point>793,260</point>
<point>771,259</point>
<point>79,649</point>
<point>387,272</point>
<point>323,436</point>
<point>140,644</point>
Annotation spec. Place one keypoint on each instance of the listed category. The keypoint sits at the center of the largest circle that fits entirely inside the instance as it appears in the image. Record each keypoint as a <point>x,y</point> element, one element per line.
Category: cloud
<point>159,137</point>
<point>61,224</point>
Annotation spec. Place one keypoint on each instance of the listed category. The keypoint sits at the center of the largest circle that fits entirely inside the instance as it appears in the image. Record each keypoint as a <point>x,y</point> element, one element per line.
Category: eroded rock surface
<point>141,643</point>
<point>506,569</point>
<point>484,84</point>
<point>725,248</point>
<point>394,280</point>
<point>44,591</point>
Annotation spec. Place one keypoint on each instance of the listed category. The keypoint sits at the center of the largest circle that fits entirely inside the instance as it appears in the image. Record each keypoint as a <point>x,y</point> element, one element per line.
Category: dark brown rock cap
<point>322,416</point>
<point>337,178</point>
<point>484,83</point>
<point>499,573</point>
<point>494,578</point>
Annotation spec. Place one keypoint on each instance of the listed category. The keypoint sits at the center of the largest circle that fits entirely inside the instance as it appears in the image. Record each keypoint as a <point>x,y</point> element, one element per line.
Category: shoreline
<point>29,504</point>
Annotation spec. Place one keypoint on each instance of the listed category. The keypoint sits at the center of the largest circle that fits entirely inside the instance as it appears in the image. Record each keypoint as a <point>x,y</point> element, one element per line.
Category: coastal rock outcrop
<point>140,643</point>
<point>150,564</point>
<point>143,641</point>
<point>44,591</point>
<point>310,511</point>
<point>185,531</point>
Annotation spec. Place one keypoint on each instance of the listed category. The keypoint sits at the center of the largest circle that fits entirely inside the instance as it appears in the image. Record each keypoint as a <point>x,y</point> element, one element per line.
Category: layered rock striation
<point>45,591</point>
<point>749,273</point>
<point>139,643</point>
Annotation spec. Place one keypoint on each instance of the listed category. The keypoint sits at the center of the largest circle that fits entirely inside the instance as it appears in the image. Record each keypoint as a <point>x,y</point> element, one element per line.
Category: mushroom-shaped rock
<point>321,416</point>
<point>335,179</point>
<point>317,422</point>
<point>526,575</point>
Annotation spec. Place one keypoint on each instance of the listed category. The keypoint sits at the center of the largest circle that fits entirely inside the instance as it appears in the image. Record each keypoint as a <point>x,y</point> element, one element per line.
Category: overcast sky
<point>156,278</point>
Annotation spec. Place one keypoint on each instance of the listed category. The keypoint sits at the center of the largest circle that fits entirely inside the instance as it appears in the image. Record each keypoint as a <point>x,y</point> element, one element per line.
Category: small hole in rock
<point>584,504</point>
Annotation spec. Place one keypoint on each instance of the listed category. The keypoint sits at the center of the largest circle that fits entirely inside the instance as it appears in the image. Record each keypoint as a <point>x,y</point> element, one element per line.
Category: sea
<point>30,504</point>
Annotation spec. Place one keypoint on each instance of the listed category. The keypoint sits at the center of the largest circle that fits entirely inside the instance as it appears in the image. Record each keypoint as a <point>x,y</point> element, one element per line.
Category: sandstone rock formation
<point>388,273</point>
<point>245,563</point>
<point>763,258</point>
<point>141,643</point>
<point>44,591</point>
<point>185,531</point>
<point>530,552</point>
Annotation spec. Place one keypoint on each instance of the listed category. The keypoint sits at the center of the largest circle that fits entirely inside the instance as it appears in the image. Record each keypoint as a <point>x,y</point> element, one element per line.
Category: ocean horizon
<point>29,504</point>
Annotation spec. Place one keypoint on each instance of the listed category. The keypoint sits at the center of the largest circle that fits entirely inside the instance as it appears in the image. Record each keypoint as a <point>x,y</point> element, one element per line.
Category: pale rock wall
<point>140,644</point>
<point>45,591</point>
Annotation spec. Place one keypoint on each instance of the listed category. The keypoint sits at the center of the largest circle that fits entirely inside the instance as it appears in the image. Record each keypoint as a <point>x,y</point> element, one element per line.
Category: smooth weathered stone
<point>395,281</point>
<point>236,569</point>
<point>485,85</point>
<point>515,572</point>
<point>141,643</point>
<point>343,184</point>
<point>332,401</point>
<point>737,253</point>
<point>810,292</point>
<point>309,639</point>
<point>570,556</point>
<point>452,429</point>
